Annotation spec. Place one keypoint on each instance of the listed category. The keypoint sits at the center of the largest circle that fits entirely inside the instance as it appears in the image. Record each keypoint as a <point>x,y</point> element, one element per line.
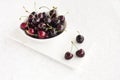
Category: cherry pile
<point>80,52</point>
<point>44,25</point>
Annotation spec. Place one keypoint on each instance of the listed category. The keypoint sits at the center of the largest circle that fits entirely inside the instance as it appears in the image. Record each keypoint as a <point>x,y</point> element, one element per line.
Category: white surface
<point>54,48</point>
<point>99,18</point>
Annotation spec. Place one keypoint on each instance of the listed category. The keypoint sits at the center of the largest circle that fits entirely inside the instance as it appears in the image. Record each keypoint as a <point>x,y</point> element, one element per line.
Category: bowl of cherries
<point>44,25</point>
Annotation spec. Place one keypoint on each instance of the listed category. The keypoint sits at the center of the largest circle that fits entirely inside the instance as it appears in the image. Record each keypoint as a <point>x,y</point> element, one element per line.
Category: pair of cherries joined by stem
<point>80,52</point>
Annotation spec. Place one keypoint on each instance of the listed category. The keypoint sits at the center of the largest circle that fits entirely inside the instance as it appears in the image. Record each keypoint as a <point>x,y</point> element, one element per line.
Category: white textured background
<point>100,18</point>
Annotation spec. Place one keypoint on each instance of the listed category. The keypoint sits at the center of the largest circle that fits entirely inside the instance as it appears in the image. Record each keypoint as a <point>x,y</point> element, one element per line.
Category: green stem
<point>71,47</point>
<point>35,6</point>
<point>66,13</point>
<point>44,7</point>
<point>54,7</point>
<point>50,27</point>
<point>74,44</point>
<point>78,32</point>
<point>26,10</point>
<point>22,17</point>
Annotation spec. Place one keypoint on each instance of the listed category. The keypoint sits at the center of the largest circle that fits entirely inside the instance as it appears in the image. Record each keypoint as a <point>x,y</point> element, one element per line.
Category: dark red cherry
<point>41,34</point>
<point>40,15</point>
<point>41,25</point>
<point>30,20</point>
<point>54,22</point>
<point>31,30</point>
<point>53,13</point>
<point>23,25</point>
<point>60,28</point>
<point>51,32</point>
<point>62,19</point>
<point>79,38</point>
<point>30,17</point>
<point>45,15</point>
<point>33,13</point>
<point>47,20</point>
<point>35,30</point>
<point>38,20</point>
<point>68,55</point>
<point>80,53</point>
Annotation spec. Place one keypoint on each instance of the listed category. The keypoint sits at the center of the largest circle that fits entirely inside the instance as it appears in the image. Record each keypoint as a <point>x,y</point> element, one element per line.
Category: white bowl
<point>48,39</point>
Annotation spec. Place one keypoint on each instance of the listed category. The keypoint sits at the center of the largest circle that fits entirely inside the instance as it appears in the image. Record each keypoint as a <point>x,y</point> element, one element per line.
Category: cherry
<point>36,16</point>
<point>33,13</point>
<point>62,19</point>
<point>60,28</point>
<point>80,53</point>
<point>53,13</point>
<point>38,20</point>
<point>45,15</point>
<point>30,17</point>
<point>23,25</point>
<point>54,22</point>
<point>30,20</point>
<point>31,25</point>
<point>35,30</point>
<point>47,20</point>
<point>68,55</point>
<point>40,15</point>
<point>52,33</point>
<point>41,25</point>
<point>79,38</point>
<point>34,20</point>
<point>41,34</point>
<point>31,30</point>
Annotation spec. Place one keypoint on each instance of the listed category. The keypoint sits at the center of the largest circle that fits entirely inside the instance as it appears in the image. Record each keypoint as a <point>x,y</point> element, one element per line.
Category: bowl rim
<point>43,40</point>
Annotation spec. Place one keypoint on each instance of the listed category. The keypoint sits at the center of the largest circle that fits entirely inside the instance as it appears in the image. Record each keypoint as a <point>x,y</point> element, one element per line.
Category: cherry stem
<point>35,6</point>
<point>26,10</point>
<point>74,44</point>
<point>54,7</point>
<point>28,26</point>
<point>66,13</point>
<point>50,27</point>
<point>71,47</point>
<point>22,17</point>
<point>44,7</point>
<point>78,32</point>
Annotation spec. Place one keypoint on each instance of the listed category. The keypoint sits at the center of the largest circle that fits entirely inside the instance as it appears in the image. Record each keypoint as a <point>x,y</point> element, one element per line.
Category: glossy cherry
<point>53,13</point>
<point>23,25</point>
<point>31,30</point>
<point>41,34</point>
<point>62,19</point>
<point>80,53</point>
<point>68,55</point>
<point>79,38</point>
<point>40,15</point>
